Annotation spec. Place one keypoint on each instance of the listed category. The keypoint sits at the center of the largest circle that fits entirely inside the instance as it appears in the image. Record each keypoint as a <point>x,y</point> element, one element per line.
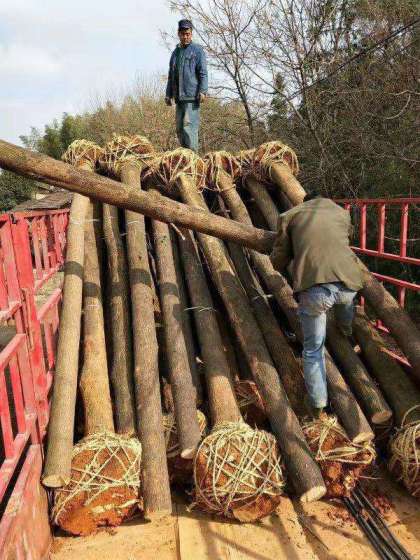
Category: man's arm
<point>169,90</point>
<point>282,253</point>
<point>202,72</point>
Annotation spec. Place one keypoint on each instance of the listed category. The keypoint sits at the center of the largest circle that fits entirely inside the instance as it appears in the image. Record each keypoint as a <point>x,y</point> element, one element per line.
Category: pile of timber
<point>179,340</point>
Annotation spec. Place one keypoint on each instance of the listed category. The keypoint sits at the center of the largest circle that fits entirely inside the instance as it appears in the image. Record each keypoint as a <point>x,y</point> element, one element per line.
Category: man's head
<point>310,195</point>
<point>185,32</point>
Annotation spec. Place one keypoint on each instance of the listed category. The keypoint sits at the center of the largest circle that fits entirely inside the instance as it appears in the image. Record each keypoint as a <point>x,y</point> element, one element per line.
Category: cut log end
<point>363,437</point>
<point>55,480</point>
<point>189,452</point>
<point>381,417</point>
<point>312,495</point>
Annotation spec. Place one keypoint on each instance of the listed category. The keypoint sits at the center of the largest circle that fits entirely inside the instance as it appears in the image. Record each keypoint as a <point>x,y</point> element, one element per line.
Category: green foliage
<point>14,189</point>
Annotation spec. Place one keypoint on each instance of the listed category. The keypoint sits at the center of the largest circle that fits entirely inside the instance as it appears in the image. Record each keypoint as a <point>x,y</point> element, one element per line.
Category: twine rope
<point>122,150</point>
<point>219,164</point>
<point>169,166</point>
<point>92,480</point>
<point>171,432</point>
<point>317,432</point>
<point>82,151</point>
<point>257,472</point>
<point>405,452</point>
<point>271,153</point>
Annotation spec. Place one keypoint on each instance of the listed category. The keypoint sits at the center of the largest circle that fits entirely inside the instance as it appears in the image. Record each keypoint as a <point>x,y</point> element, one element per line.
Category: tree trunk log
<point>223,405</point>
<point>400,391</point>
<point>179,372</point>
<point>154,467</point>
<point>386,307</point>
<point>304,472</point>
<point>366,390</point>
<point>186,322</point>
<point>343,401</point>
<point>122,359</point>
<point>61,425</point>
<point>94,380</point>
<point>264,201</point>
<point>53,172</point>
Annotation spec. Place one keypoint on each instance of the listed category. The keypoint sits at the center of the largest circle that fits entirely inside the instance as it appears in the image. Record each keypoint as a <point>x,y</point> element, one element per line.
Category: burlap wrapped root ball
<point>166,168</point>
<point>404,452</point>
<point>341,461</point>
<point>250,403</point>
<point>105,484</point>
<point>180,469</point>
<point>271,153</point>
<point>136,149</point>
<point>82,151</point>
<point>218,163</point>
<point>238,473</point>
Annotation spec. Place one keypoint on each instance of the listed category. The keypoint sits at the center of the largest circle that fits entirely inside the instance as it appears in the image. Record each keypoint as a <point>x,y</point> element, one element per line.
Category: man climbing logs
<point>187,85</point>
<point>315,236</point>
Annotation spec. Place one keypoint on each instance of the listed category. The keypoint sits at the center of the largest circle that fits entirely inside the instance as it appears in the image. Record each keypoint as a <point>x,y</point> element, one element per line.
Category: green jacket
<point>315,236</point>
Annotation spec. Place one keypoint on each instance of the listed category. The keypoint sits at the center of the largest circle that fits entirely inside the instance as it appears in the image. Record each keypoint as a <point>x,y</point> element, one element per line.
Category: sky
<point>56,56</point>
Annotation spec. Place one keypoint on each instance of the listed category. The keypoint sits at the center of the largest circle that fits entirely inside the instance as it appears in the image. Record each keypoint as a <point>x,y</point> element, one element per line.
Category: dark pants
<point>187,123</point>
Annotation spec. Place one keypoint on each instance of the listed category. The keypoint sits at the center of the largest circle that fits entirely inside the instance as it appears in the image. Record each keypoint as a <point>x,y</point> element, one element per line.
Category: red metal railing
<point>32,247</point>
<point>382,206</point>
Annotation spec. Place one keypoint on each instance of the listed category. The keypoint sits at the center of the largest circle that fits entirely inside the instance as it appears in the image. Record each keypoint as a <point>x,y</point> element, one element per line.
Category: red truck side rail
<point>32,246</point>
<point>32,249</point>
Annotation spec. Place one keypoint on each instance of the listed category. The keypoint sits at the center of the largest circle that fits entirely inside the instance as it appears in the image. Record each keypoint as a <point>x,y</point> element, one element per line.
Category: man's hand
<point>168,101</point>
<point>202,97</point>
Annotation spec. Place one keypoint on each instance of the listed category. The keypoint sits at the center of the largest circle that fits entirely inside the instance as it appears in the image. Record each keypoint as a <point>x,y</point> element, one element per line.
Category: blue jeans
<point>187,123</point>
<point>313,306</point>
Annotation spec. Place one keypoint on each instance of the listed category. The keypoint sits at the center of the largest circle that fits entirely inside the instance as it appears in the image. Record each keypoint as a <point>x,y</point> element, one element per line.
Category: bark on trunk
<point>400,391</point>
<point>180,376</point>
<point>347,408</point>
<point>304,472</point>
<point>53,172</point>
<point>154,467</point>
<point>61,425</point>
<point>223,405</point>
<point>94,380</point>
<point>386,307</point>
<point>369,395</point>
<point>122,358</point>
<point>264,202</point>
<point>186,322</point>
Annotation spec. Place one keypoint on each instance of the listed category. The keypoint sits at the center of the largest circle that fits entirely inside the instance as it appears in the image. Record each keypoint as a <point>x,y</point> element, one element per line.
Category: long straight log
<point>94,380</point>
<point>264,201</point>
<point>304,472</point>
<point>400,391</point>
<point>223,405</point>
<point>149,419</point>
<point>179,372</point>
<point>122,358</point>
<point>186,322</point>
<point>386,307</point>
<point>343,401</point>
<point>56,173</point>
<point>57,467</point>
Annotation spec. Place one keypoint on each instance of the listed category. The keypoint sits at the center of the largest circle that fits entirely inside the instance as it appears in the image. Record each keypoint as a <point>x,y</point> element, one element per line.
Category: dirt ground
<point>296,532</point>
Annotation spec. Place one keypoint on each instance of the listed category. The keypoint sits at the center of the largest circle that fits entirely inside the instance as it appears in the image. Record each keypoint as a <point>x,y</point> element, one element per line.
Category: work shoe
<point>316,413</point>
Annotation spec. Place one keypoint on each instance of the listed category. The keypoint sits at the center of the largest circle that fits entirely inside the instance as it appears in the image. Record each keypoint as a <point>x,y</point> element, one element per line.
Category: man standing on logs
<point>187,85</point>
<point>315,236</point>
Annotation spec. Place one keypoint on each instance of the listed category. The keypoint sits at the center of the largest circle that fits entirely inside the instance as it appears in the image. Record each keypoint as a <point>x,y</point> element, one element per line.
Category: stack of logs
<point>183,342</point>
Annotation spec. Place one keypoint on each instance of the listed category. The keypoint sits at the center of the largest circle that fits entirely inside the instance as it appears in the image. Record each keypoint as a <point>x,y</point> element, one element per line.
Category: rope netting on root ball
<point>250,403</point>
<point>238,473</point>
<point>273,153</point>
<point>218,164</point>
<point>82,151</point>
<point>136,149</point>
<point>245,159</point>
<point>404,449</point>
<point>168,167</point>
<point>180,469</point>
<point>104,489</point>
<point>341,461</point>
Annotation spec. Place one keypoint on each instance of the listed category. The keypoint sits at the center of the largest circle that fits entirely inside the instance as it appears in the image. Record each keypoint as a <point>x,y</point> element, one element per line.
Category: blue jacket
<point>192,75</point>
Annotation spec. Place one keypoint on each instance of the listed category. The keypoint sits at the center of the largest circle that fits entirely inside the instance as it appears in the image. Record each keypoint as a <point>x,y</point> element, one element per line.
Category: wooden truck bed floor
<point>298,532</point>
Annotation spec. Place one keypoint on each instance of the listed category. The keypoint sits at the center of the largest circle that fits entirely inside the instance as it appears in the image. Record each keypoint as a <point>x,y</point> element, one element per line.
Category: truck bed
<point>320,530</point>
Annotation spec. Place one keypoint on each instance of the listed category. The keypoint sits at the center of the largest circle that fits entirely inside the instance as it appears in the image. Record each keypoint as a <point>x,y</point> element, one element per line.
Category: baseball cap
<point>184,24</point>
